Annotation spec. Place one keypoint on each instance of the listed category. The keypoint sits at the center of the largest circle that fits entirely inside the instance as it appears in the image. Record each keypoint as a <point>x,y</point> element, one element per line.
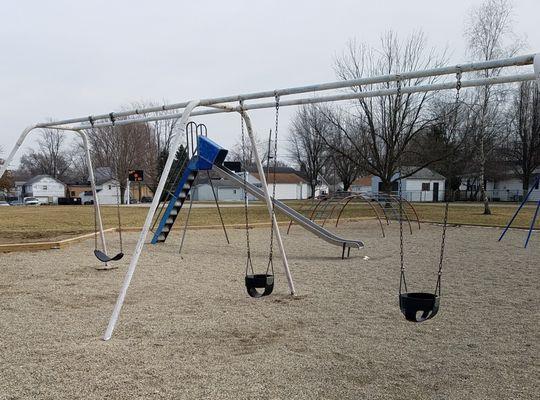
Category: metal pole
<point>186,223</point>
<point>97,208</point>
<point>217,206</point>
<point>269,203</point>
<point>17,146</point>
<point>532,224</point>
<point>432,72</point>
<point>315,100</point>
<point>144,232</point>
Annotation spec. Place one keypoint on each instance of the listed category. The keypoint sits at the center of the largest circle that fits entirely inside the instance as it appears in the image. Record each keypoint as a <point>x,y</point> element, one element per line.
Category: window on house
<point>110,187</point>
<point>425,186</point>
<point>234,191</point>
<point>72,193</point>
<point>44,187</point>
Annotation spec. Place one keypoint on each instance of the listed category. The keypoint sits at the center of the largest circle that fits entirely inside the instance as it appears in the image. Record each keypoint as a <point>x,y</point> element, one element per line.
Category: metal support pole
<point>97,208</point>
<point>532,224</point>
<point>149,217</point>
<point>401,75</point>
<point>269,201</point>
<point>186,223</point>
<point>17,146</point>
<point>217,206</point>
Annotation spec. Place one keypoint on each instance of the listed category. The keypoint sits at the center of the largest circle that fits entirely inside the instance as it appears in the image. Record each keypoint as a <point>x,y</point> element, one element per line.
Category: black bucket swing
<point>100,255</point>
<point>259,285</point>
<point>421,306</point>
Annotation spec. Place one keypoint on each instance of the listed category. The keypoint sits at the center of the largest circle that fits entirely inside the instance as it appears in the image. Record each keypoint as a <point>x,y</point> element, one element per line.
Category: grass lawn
<point>24,224</point>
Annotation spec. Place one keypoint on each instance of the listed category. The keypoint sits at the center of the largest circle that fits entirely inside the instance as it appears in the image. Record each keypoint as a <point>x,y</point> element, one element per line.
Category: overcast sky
<point>74,58</point>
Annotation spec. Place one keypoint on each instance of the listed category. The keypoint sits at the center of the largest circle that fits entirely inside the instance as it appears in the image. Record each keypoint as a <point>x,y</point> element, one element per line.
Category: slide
<point>301,220</point>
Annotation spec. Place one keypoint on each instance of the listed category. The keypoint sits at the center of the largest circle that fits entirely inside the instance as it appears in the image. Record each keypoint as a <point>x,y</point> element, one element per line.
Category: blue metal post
<point>519,208</point>
<point>532,224</point>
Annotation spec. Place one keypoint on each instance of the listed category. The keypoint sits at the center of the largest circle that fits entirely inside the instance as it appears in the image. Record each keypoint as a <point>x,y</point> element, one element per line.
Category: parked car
<point>4,203</point>
<point>16,203</point>
<point>146,199</point>
<point>31,201</point>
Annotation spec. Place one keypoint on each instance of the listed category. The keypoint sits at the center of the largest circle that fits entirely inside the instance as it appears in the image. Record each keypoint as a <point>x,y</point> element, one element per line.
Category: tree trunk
<point>487,210</point>
<point>312,187</point>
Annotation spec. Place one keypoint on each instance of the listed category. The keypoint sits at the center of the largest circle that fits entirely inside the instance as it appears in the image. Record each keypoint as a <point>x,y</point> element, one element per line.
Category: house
<point>362,184</point>
<point>107,187</point>
<point>289,185</point>
<point>507,187</point>
<point>424,185</point>
<point>45,188</point>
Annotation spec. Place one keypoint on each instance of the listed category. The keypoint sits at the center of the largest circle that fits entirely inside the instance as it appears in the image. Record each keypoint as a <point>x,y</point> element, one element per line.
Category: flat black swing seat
<point>101,256</point>
<point>411,304</point>
<point>259,281</point>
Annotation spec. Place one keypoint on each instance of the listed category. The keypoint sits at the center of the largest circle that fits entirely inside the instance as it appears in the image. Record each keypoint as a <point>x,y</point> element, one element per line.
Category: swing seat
<point>101,256</point>
<point>411,304</point>
<point>259,281</point>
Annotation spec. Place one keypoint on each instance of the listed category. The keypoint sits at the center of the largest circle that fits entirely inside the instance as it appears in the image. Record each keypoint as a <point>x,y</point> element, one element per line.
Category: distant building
<point>423,185</point>
<point>45,188</point>
<point>507,187</point>
<point>290,185</point>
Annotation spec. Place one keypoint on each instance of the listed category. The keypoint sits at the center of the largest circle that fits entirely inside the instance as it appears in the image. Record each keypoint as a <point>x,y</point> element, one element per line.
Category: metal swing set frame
<point>243,103</point>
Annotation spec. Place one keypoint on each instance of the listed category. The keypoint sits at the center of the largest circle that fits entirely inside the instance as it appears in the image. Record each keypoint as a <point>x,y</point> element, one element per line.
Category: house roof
<point>290,177</point>
<point>37,178</point>
<point>423,173</point>
<point>363,181</point>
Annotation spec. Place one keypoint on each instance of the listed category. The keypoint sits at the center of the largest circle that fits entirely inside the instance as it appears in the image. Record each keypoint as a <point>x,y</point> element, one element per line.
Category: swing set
<point>416,306</point>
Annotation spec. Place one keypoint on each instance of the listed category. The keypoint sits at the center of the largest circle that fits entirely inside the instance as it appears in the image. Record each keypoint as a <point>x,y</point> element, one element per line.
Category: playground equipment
<point>421,306</point>
<point>303,95</point>
<point>101,255</point>
<point>332,207</point>
<point>533,221</point>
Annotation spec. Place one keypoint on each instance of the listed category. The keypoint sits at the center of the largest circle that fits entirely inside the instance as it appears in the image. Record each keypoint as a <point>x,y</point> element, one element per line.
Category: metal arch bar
<point>383,210</point>
<point>317,206</point>
<point>340,202</point>
<point>464,68</point>
<point>404,212</point>
<point>412,207</point>
<point>224,108</point>
<point>360,196</point>
<point>24,134</point>
<point>149,217</point>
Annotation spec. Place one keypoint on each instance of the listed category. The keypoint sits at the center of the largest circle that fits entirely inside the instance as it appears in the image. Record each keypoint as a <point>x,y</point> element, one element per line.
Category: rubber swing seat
<point>259,281</point>
<point>411,304</point>
<point>101,256</point>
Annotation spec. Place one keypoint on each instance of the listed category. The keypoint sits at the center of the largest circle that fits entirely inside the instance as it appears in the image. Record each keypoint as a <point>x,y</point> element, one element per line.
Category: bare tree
<point>236,153</point>
<point>6,181</point>
<point>306,144</point>
<point>489,36</point>
<point>381,129</point>
<point>523,149</point>
<point>122,148</point>
<point>51,157</point>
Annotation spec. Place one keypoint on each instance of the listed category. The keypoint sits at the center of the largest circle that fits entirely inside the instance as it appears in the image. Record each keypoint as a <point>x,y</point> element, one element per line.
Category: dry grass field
<point>31,224</point>
<point>189,331</point>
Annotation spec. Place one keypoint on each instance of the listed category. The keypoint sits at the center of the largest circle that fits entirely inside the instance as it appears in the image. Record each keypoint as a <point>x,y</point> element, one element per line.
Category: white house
<point>289,186</point>
<point>45,188</point>
<point>507,188</point>
<point>423,185</point>
<point>362,184</point>
<point>108,188</point>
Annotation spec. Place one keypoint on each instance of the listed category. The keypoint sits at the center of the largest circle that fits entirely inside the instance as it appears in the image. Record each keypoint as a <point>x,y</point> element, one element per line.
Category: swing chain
<point>244,162</point>
<point>271,254</point>
<point>402,281</point>
<point>445,220</point>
